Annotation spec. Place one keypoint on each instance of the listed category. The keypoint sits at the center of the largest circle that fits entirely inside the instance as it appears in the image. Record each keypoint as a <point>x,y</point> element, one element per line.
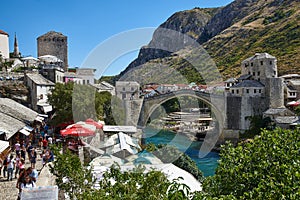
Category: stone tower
<point>55,44</point>
<point>16,47</point>
<point>261,66</point>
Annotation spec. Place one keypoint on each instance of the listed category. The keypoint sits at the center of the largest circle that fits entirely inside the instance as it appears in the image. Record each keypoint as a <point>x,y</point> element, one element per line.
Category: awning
<point>42,115</point>
<point>3,145</point>
<point>24,131</point>
<point>47,108</point>
<point>39,119</point>
<point>28,128</point>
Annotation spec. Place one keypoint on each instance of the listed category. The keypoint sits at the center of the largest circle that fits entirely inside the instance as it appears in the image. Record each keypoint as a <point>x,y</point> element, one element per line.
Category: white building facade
<point>39,87</point>
<point>4,44</point>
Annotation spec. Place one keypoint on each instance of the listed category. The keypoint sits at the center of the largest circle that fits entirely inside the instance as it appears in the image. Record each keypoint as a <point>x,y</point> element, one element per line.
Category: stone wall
<point>133,110</point>
<point>275,92</point>
<point>233,112</point>
<point>240,109</point>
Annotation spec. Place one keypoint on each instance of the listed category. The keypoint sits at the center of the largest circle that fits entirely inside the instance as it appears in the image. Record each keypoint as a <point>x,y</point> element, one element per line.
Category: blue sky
<point>88,23</point>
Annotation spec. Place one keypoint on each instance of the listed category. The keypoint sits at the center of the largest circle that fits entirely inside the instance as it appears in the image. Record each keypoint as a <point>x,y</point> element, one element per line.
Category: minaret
<point>16,47</point>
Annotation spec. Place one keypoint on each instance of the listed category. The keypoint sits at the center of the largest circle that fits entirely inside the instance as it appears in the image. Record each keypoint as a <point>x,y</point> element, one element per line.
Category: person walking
<point>26,183</point>
<point>33,173</point>
<point>1,165</point>
<point>32,157</point>
<point>23,152</point>
<point>5,166</point>
<point>10,167</point>
<point>45,143</point>
<point>17,147</point>
<point>29,148</point>
<point>18,163</point>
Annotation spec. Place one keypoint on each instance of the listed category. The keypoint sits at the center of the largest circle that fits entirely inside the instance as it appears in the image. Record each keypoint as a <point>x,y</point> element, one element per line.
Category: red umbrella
<point>91,121</point>
<point>77,131</point>
<point>293,103</point>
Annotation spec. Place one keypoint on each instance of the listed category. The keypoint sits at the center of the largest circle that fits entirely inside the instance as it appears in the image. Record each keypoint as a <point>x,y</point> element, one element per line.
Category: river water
<point>207,165</point>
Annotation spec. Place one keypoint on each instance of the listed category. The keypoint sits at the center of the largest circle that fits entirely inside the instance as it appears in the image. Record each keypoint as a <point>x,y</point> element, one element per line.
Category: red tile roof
<point>4,33</point>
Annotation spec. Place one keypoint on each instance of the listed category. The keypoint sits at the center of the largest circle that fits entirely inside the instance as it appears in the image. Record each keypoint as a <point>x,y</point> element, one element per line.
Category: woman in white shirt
<point>26,183</point>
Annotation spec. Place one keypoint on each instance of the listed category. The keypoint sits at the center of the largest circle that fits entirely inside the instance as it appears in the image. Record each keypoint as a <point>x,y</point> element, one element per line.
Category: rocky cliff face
<point>229,34</point>
<point>189,22</point>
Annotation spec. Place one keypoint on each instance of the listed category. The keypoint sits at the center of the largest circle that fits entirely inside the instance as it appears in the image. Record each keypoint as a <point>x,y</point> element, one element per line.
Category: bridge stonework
<point>231,112</point>
<point>217,102</point>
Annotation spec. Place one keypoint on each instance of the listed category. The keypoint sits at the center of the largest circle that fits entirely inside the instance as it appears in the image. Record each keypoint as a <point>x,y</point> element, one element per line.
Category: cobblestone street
<point>8,190</point>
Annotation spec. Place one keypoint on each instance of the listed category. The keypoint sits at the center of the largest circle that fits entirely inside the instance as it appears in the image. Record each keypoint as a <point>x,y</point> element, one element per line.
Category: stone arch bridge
<point>150,104</point>
<point>139,111</point>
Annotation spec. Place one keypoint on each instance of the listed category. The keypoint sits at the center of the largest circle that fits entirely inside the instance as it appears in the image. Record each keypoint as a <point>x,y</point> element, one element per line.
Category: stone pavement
<point>8,190</point>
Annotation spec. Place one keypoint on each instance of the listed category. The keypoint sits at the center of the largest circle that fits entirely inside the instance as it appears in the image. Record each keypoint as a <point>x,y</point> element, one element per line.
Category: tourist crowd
<point>13,165</point>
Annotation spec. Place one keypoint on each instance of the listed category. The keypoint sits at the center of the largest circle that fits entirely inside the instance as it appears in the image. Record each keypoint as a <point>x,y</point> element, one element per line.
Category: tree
<point>297,110</point>
<point>77,181</point>
<point>171,154</point>
<point>266,168</point>
<point>61,99</point>
<point>71,177</point>
<point>77,102</point>
<point>257,123</point>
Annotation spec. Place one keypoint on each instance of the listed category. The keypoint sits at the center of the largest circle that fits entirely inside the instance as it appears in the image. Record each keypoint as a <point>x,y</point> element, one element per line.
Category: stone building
<point>55,44</point>
<point>39,87</point>
<point>127,90</point>
<point>291,87</point>
<point>83,76</point>
<point>258,90</point>
<point>4,44</point>
<point>260,66</point>
<point>104,87</point>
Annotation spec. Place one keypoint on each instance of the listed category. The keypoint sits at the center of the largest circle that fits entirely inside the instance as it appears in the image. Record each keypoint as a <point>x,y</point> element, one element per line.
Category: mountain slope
<point>232,34</point>
<point>190,22</point>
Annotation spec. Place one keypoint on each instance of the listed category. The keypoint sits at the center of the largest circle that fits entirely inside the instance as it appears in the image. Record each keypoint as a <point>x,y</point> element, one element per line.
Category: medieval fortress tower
<point>256,92</point>
<point>55,44</point>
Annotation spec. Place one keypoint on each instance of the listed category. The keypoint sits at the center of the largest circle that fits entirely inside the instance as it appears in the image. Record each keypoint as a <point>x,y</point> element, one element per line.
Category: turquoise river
<point>207,165</point>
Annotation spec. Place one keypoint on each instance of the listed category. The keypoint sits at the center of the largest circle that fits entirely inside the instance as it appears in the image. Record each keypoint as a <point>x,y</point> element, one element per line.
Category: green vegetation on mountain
<point>230,35</point>
<point>272,28</point>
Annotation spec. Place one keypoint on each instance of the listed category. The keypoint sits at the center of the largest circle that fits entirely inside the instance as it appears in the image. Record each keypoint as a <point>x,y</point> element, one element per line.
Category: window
<point>83,82</point>
<point>237,91</point>
<point>259,90</point>
<point>254,90</point>
<point>123,88</point>
<point>232,91</point>
<point>275,73</point>
<point>258,79</point>
<point>132,88</point>
<point>252,64</point>
<point>258,73</point>
<point>253,73</point>
<point>123,96</point>
<point>270,62</point>
<point>247,91</point>
<point>87,81</point>
<point>261,63</point>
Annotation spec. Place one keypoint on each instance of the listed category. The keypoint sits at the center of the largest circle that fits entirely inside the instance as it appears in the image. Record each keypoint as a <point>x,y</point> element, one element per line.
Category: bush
<point>266,168</point>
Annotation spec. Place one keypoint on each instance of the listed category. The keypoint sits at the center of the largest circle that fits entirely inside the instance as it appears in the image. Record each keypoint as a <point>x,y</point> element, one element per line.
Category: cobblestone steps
<point>8,190</point>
